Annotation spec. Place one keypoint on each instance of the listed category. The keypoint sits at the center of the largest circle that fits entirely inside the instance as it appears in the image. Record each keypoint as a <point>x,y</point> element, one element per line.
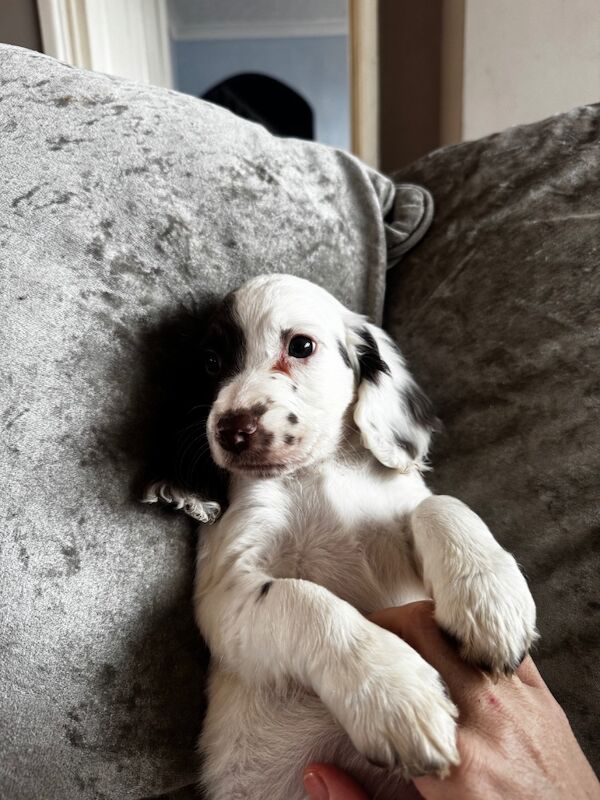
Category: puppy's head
<point>288,367</point>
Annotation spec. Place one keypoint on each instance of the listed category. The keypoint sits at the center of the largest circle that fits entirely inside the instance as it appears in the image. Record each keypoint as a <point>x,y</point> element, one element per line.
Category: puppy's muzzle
<point>236,431</point>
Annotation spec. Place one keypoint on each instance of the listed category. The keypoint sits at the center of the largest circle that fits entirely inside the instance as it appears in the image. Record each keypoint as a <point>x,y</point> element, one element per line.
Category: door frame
<point>129,38</point>
<point>364,79</point>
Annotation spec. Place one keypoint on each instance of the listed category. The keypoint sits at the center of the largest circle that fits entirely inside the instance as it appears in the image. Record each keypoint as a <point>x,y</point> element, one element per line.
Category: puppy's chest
<point>366,562</point>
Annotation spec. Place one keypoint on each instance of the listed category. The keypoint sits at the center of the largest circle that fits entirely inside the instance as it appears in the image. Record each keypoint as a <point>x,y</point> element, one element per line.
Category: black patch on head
<point>177,394</point>
<point>264,589</point>
<point>370,363</point>
<point>344,354</point>
<point>226,338</point>
<point>407,445</point>
<point>420,408</point>
<point>292,419</point>
<point>289,439</point>
<point>294,387</point>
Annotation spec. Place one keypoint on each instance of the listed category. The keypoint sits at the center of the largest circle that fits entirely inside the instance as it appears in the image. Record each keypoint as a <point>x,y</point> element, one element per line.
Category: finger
<point>415,624</point>
<point>325,782</point>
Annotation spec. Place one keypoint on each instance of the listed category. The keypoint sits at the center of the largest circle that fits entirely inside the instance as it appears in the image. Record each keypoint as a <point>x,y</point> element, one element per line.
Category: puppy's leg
<point>193,505</point>
<point>389,700</point>
<point>256,744</point>
<point>481,597</point>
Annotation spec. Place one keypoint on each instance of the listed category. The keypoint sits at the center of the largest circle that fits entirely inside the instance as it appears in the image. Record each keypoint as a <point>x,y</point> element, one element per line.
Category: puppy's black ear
<point>393,414</point>
<point>180,469</point>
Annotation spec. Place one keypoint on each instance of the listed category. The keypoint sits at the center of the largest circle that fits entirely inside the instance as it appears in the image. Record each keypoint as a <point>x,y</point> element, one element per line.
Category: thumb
<point>324,782</point>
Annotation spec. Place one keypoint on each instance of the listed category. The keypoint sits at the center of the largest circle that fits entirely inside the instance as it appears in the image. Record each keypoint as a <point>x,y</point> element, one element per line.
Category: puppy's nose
<point>235,430</point>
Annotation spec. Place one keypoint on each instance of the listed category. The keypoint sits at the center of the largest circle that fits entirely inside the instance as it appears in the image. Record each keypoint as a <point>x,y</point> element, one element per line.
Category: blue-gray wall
<point>315,67</point>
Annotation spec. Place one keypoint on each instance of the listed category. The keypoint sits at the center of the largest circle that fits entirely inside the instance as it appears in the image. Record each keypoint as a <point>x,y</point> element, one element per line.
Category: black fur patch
<point>264,589</point>
<point>420,408</point>
<point>370,363</point>
<point>178,393</point>
<point>344,355</point>
<point>226,337</point>
<point>289,439</point>
<point>292,419</point>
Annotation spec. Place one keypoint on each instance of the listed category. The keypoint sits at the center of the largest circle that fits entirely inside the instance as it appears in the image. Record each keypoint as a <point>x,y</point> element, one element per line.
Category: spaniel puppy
<point>310,413</point>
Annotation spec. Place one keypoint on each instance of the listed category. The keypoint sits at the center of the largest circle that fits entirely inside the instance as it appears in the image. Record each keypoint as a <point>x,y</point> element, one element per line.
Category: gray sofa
<point>122,203</point>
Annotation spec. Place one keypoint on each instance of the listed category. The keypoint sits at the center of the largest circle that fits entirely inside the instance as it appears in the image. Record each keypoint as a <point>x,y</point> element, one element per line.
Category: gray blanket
<point>498,311</point>
<point>119,204</point>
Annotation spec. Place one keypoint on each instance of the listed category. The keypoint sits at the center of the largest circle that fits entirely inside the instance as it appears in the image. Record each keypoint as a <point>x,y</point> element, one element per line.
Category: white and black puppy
<point>311,413</point>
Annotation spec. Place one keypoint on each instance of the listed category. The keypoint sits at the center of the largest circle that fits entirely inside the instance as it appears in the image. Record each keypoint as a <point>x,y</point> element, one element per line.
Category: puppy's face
<point>283,378</point>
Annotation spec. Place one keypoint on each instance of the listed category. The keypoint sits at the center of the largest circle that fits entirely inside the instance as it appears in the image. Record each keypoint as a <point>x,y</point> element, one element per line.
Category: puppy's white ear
<point>393,414</point>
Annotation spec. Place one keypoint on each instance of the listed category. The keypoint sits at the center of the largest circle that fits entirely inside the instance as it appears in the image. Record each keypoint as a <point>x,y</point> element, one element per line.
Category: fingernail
<point>315,786</point>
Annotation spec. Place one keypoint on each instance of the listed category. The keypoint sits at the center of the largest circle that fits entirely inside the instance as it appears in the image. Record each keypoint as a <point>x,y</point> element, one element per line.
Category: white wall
<point>229,19</point>
<point>524,60</point>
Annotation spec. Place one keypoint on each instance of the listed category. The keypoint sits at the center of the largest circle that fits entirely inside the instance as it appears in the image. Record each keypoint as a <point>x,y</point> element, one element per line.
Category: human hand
<point>514,739</point>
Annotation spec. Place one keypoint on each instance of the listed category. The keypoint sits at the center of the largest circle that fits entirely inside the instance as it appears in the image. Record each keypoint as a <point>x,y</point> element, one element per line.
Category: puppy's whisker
<point>199,407</point>
<point>198,425</point>
<point>189,448</point>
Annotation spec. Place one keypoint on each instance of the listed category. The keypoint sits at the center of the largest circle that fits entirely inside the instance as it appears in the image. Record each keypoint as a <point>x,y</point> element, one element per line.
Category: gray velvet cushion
<point>120,202</point>
<point>498,310</point>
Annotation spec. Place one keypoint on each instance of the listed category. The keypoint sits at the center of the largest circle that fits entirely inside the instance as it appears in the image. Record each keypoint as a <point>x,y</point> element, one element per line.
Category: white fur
<point>342,526</point>
<point>197,508</point>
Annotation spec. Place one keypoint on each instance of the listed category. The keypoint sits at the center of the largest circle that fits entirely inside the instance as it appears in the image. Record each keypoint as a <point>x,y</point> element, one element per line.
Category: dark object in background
<point>20,24</point>
<point>267,101</point>
<point>410,44</point>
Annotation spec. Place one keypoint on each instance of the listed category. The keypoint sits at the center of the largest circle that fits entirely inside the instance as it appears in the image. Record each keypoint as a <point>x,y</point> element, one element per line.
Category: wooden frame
<point>128,38</point>
<point>452,68</point>
<point>364,79</point>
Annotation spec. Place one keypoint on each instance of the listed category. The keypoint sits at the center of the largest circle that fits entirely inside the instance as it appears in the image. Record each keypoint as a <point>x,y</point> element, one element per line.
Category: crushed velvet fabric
<point>498,311</point>
<point>120,202</point>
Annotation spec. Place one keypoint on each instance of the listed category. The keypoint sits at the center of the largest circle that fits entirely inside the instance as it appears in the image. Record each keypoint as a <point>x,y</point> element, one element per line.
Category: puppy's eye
<point>212,363</point>
<point>301,347</point>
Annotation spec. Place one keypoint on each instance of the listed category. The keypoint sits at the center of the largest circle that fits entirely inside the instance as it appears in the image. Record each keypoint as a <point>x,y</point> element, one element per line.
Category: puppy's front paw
<point>491,614</point>
<point>194,506</point>
<point>396,710</point>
